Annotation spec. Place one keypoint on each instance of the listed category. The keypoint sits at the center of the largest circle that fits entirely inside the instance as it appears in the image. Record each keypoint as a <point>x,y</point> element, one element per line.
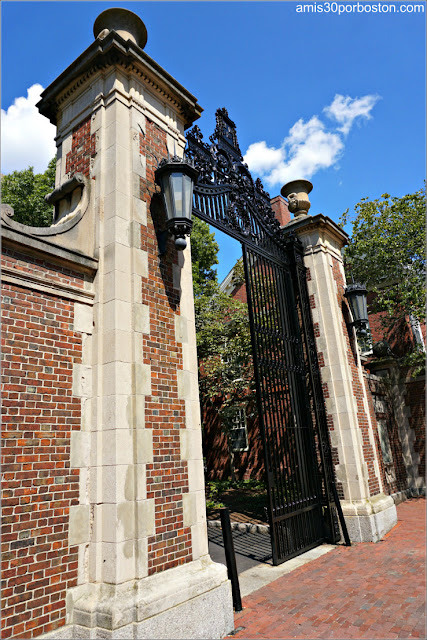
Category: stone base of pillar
<point>369,520</point>
<point>190,601</point>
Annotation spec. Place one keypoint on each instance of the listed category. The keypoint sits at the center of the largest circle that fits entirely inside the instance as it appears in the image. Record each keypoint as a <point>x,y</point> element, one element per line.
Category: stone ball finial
<point>126,23</point>
<point>296,192</point>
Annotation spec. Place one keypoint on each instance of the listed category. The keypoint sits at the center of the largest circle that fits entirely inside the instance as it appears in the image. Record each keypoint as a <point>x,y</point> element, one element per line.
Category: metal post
<point>230,558</point>
<point>341,515</point>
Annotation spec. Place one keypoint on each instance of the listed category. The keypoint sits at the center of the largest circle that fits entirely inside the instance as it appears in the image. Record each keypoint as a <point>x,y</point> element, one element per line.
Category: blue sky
<point>338,99</point>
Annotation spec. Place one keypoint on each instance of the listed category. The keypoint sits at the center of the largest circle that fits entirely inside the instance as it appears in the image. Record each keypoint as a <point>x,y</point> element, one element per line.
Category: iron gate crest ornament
<point>225,188</point>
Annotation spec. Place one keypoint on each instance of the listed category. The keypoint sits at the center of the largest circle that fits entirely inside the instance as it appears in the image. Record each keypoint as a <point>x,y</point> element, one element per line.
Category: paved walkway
<point>364,591</point>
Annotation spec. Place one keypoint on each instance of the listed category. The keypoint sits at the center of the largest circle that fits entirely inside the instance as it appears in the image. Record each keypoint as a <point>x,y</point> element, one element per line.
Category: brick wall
<point>325,389</point>
<point>399,337</point>
<point>239,293</point>
<point>373,392</point>
<point>83,148</point>
<point>415,400</point>
<point>167,475</point>
<point>280,209</point>
<point>215,446</point>
<point>383,408</point>
<point>39,349</point>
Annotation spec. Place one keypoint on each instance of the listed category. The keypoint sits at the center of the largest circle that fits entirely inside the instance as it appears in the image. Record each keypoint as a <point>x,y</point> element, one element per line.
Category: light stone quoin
<point>124,98</point>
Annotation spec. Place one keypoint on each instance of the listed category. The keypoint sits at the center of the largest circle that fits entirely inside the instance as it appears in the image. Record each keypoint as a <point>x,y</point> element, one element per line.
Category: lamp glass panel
<point>187,184</point>
<point>353,305</point>
<point>361,304</point>
<point>176,180</point>
<point>167,195</point>
<point>364,307</point>
<point>358,305</point>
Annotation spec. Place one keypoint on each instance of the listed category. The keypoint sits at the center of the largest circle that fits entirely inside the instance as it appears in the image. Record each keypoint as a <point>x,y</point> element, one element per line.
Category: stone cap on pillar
<point>126,23</point>
<point>118,43</point>
<point>317,229</point>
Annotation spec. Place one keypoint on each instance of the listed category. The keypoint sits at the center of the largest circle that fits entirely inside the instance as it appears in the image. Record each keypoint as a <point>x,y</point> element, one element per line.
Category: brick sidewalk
<point>364,591</point>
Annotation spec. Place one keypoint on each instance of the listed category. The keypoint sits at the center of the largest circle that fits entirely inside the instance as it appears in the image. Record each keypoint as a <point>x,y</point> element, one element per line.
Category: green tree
<point>204,255</point>
<point>224,350</point>
<point>226,380</point>
<point>387,252</point>
<point>222,327</point>
<point>25,190</point>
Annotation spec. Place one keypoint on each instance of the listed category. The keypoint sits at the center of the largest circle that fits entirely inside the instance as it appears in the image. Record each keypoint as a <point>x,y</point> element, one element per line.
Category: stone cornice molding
<point>318,224</point>
<point>110,51</point>
<point>40,283</point>
<point>49,251</point>
<point>228,281</point>
<point>313,249</point>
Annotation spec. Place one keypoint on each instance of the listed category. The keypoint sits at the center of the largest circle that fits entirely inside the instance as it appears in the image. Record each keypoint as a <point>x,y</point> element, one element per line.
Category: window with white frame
<point>417,333</point>
<point>239,432</point>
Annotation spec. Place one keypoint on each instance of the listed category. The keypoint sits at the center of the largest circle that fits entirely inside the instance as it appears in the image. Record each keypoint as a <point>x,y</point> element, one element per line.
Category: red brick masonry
<point>83,148</point>
<point>39,348</point>
<point>415,399</point>
<point>369,590</point>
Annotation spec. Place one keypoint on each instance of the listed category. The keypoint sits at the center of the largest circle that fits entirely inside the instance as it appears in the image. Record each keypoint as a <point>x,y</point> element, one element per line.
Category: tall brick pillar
<point>369,513</point>
<point>144,569</point>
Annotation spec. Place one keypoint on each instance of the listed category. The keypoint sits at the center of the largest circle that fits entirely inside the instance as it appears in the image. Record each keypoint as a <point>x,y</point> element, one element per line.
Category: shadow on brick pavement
<point>368,590</point>
<point>251,549</point>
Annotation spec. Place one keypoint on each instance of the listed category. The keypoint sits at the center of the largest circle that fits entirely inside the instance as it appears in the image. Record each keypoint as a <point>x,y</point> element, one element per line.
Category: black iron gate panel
<point>292,470</point>
<point>292,416</point>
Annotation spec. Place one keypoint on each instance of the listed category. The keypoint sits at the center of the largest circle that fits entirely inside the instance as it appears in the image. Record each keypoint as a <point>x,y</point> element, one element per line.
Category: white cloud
<point>27,137</point>
<point>345,110</point>
<point>261,158</point>
<point>309,146</point>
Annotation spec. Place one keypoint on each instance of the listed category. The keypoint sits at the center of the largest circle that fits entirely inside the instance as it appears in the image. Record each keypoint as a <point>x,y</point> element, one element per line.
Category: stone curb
<point>246,527</point>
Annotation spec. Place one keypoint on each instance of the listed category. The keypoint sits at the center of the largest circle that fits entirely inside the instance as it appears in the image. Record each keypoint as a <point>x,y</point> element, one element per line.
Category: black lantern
<point>356,296</point>
<point>176,177</point>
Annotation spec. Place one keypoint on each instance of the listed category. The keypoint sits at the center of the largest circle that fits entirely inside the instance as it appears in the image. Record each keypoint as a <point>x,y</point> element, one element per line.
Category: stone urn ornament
<point>296,192</point>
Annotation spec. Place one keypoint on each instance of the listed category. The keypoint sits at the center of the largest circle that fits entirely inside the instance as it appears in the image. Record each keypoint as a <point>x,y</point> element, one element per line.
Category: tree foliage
<point>204,254</point>
<point>222,328</point>
<point>386,251</point>
<point>224,350</point>
<point>25,191</point>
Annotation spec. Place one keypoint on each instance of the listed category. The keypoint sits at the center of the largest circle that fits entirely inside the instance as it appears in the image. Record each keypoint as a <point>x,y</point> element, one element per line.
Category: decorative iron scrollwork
<point>247,210</point>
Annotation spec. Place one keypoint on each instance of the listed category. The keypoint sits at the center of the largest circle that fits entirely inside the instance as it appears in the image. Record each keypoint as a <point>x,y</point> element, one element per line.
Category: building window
<point>239,432</point>
<point>417,333</point>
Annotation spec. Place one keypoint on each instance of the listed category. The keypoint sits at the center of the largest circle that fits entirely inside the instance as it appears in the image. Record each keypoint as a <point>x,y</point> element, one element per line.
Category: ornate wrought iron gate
<point>298,464</point>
